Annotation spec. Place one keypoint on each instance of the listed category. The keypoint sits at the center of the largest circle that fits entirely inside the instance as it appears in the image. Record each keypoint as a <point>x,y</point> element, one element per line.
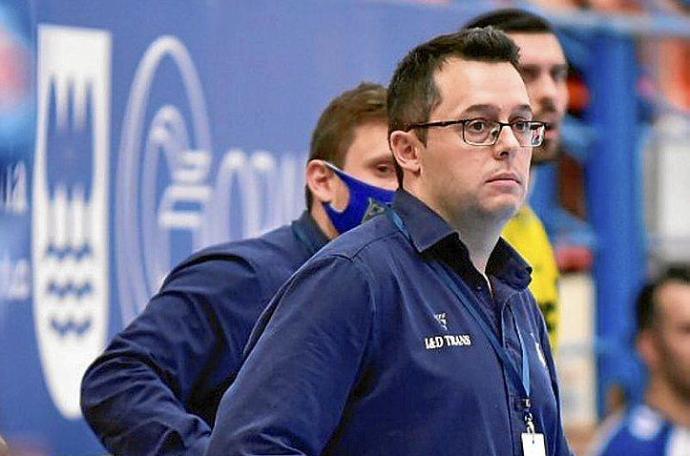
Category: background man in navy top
<point>383,342</point>
<point>661,425</point>
<point>156,388</point>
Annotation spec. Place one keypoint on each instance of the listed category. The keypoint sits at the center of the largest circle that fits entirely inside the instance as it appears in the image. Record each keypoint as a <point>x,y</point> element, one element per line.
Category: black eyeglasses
<point>483,132</point>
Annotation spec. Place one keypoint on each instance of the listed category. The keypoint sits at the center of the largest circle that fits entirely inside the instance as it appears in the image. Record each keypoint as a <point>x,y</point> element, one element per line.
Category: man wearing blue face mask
<point>156,388</point>
<point>365,201</point>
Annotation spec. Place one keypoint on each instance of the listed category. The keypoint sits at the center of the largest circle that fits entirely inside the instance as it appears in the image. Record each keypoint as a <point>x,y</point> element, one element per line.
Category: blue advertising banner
<point>159,128</point>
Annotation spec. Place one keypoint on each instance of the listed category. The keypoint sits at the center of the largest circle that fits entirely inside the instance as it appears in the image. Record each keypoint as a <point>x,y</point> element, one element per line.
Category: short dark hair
<point>645,306</point>
<point>335,130</point>
<point>412,93</point>
<point>512,20</point>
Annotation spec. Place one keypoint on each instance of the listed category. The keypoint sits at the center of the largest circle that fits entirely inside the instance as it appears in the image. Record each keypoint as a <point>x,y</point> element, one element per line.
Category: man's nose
<point>544,89</point>
<point>507,143</point>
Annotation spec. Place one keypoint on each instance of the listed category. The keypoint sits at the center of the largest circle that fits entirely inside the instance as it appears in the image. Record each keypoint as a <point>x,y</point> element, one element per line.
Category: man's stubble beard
<point>548,152</point>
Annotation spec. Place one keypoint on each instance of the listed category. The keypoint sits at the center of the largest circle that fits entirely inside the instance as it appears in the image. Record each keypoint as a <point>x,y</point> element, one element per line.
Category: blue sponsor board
<point>159,128</point>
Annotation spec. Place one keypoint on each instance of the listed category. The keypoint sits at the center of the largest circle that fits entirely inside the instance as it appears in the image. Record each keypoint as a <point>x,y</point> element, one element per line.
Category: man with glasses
<point>156,388</point>
<point>544,70</point>
<point>416,334</point>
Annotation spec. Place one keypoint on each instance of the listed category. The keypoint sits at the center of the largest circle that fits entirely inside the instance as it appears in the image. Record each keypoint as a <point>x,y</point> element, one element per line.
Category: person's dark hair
<point>645,306</point>
<point>335,130</point>
<point>412,93</point>
<point>512,20</point>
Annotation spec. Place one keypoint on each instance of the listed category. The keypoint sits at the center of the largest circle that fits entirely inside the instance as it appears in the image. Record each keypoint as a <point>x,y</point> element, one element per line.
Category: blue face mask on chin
<point>366,201</point>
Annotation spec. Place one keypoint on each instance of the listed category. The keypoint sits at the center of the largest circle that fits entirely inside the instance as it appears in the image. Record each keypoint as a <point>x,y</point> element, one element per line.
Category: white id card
<point>533,444</point>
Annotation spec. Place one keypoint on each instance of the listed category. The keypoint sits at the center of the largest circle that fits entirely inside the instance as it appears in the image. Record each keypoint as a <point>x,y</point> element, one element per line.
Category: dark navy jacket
<point>156,388</point>
<point>368,352</point>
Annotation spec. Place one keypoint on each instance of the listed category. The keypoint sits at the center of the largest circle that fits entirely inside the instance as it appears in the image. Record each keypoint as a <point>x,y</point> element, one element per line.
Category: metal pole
<point>615,204</point>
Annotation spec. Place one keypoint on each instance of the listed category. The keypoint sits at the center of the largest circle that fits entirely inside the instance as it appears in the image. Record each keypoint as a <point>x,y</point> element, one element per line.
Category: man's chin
<point>504,210</point>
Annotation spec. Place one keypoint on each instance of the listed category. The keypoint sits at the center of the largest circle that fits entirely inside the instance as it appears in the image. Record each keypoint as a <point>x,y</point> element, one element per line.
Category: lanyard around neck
<point>521,380</point>
<point>468,300</point>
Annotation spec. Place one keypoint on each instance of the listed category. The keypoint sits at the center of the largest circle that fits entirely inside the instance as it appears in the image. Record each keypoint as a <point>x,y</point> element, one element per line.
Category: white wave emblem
<point>70,206</point>
<point>163,170</point>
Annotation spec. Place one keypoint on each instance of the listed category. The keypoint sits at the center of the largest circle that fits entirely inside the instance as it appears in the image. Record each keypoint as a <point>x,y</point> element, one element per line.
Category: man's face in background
<point>671,337</point>
<point>544,70</point>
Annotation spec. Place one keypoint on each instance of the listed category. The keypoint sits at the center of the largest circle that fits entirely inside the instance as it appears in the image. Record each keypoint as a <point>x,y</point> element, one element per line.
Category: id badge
<point>533,444</point>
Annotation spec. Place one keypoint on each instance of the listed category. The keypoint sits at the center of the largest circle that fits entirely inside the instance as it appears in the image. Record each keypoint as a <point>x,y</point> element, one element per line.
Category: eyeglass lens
<point>486,132</point>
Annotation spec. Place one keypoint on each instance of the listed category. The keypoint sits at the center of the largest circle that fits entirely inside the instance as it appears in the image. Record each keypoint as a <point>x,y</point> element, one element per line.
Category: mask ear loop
<point>338,173</point>
<point>364,199</point>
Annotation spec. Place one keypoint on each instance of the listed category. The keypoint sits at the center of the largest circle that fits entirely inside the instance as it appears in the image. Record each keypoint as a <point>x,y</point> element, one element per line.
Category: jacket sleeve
<point>290,394</point>
<point>155,388</point>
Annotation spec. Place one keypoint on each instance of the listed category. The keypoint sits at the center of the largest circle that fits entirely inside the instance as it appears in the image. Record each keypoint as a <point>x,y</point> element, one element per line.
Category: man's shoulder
<point>275,253</point>
<point>273,243</point>
<point>639,431</point>
<point>371,238</point>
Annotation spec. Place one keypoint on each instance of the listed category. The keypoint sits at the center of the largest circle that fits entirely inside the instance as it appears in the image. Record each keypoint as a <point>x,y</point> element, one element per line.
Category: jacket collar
<point>308,232</point>
<point>428,231</point>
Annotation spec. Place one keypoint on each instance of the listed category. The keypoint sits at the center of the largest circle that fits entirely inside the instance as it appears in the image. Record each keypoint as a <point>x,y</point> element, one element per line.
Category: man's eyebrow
<point>536,66</point>
<point>379,159</point>
<point>523,109</point>
<point>491,109</point>
<point>483,108</point>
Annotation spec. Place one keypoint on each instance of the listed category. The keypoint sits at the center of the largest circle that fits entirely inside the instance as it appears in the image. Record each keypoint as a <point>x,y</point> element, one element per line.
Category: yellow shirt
<point>527,235</point>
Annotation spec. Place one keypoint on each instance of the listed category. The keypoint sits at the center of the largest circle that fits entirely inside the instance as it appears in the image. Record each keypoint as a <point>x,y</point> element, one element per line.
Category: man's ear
<point>405,147</point>
<point>647,348</point>
<point>320,180</point>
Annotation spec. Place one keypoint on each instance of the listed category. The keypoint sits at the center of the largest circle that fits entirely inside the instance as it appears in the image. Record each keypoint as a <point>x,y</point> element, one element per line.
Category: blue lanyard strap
<point>467,299</point>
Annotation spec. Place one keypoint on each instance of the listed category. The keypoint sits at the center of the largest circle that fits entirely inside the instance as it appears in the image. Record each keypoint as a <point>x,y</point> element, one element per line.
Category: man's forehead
<point>461,74</point>
<point>481,86</point>
<point>538,47</point>
<point>674,299</point>
<point>369,144</point>
<point>678,288</point>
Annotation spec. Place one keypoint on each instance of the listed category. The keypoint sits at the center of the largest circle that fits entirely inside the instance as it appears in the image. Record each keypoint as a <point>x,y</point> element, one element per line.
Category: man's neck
<point>319,215</point>
<point>480,240</point>
<point>662,398</point>
<point>478,231</point>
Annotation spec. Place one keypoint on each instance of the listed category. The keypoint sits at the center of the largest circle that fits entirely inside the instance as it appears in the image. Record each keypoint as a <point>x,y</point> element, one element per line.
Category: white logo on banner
<point>70,208</point>
<point>145,222</point>
<point>169,199</point>
<point>269,191</point>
